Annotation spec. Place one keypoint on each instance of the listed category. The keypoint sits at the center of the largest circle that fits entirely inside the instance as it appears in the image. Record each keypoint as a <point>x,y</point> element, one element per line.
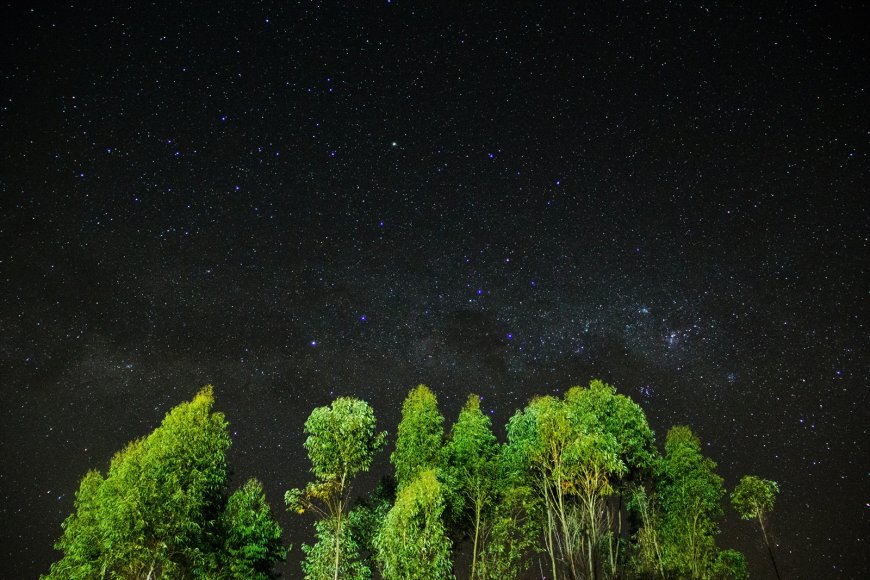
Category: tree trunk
<point>769,548</point>
<point>476,536</point>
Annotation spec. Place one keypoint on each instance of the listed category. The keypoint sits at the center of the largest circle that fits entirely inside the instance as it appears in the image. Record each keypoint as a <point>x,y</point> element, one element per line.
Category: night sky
<point>300,201</point>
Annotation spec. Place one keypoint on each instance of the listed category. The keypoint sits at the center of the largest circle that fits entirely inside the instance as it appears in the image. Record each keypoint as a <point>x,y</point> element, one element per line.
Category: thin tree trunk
<point>550,545</point>
<point>337,545</point>
<point>338,526</point>
<point>769,548</point>
<point>476,535</point>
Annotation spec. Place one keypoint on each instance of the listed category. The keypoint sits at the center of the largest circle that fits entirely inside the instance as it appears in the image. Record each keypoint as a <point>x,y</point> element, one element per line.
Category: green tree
<point>538,438</point>
<point>320,563</point>
<point>753,498</point>
<point>512,535</point>
<point>473,463</point>
<point>419,437</point>
<point>367,517</point>
<point>647,557</point>
<point>413,544</point>
<point>690,493</point>
<point>730,565</point>
<point>82,542</point>
<point>342,442</point>
<point>158,511</point>
<point>600,408</point>
<point>252,537</point>
<point>615,442</point>
<point>571,460</point>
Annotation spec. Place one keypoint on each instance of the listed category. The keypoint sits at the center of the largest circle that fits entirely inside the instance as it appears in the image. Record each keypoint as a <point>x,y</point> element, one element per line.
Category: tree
<point>615,442</point>
<point>647,557</point>
<point>320,562</point>
<point>158,511</point>
<point>419,437</point>
<point>473,463</point>
<point>342,441</point>
<point>690,494</point>
<point>512,534</point>
<point>571,460</point>
<point>730,565</point>
<point>538,438</point>
<point>252,538</point>
<point>602,409</point>
<point>82,542</point>
<point>367,517</point>
<point>412,544</point>
<point>753,498</point>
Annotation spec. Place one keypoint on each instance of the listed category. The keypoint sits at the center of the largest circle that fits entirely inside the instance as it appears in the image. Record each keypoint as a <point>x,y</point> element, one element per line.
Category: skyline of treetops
<point>577,490</point>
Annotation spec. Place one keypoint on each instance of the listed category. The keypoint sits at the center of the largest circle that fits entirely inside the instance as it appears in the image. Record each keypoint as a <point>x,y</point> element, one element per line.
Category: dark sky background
<point>296,201</point>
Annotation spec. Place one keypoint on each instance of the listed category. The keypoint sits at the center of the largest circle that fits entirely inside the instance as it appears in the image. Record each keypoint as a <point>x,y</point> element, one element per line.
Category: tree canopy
<point>420,436</point>
<point>578,490</point>
<point>342,442</point>
<point>161,509</point>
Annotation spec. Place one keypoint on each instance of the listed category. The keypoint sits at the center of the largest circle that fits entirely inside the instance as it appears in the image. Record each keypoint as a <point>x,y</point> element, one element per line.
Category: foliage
<point>647,549</point>
<point>252,538</point>
<point>412,543</point>
<point>618,416</point>
<point>367,517</point>
<point>690,493</point>
<point>753,498</point>
<point>472,456</point>
<point>160,510</point>
<point>570,470</point>
<point>320,562</point>
<point>419,437</point>
<point>512,535</point>
<point>569,454</point>
<point>730,565</point>
<point>342,442</point>
<point>82,542</point>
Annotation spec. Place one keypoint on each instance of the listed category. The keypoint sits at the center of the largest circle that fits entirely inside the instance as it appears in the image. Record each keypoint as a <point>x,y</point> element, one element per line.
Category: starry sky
<point>295,201</point>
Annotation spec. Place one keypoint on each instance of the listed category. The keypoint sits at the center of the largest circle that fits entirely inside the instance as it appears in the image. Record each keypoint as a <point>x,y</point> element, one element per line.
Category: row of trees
<point>577,490</point>
<point>578,487</point>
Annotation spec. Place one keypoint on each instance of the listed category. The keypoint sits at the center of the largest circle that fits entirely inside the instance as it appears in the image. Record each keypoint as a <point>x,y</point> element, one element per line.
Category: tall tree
<point>160,509</point>
<point>513,532</point>
<point>690,494</point>
<point>617,443</point>
<point>753,498</point>
<point>342,442</point>
<point>538,438</point>
<point>413,544</point>
<point>571,460</point>
<point>419,437</point>
<point>472,454</point>
<point>647,557</point>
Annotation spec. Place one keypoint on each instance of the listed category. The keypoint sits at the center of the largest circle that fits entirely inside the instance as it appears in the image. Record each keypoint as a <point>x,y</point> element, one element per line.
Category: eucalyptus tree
<point>618,446</point>
<point>753,498</point>
<point>161,509</point>
<point>647,550</point>
<point>251,536</point>
<point>412,543</point>
<point>342,442</point>
<point>473,464</point>
<point>690,493</point>
<point>419,437</point>
<point>513,531</point>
